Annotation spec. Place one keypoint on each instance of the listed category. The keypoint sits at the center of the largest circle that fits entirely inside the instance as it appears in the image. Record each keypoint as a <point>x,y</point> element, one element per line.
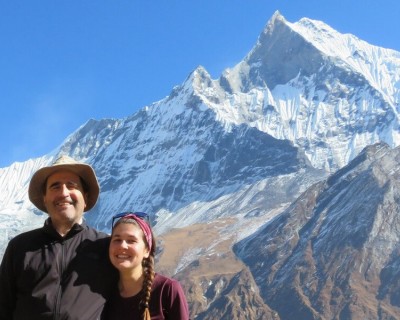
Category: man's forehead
<point>63,175</point>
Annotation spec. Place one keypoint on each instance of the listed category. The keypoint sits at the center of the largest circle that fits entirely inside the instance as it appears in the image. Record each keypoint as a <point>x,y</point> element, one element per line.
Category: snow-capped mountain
<point>309,84</point>
<point>227,156</point>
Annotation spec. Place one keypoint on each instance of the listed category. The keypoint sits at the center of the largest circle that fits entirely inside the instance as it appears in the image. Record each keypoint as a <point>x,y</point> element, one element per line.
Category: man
<point>59,271</point>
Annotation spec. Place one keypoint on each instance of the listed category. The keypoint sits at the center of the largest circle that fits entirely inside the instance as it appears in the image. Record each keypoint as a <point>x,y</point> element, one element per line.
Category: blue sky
<point>63,62</point>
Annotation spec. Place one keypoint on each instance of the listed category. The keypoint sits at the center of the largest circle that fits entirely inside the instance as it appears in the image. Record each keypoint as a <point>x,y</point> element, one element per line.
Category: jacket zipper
<point>57,307</point>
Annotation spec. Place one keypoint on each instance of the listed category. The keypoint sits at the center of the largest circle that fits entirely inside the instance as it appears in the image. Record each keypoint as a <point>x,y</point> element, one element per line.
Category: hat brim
<point>86,172</point>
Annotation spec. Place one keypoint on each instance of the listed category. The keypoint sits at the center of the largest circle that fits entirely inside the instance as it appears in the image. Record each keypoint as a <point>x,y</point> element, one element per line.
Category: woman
<point>141,293</point>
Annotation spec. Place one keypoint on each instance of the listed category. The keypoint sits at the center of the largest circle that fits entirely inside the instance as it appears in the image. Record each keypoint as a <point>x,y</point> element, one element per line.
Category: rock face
<point>334,253</point>
<point>273,189</point>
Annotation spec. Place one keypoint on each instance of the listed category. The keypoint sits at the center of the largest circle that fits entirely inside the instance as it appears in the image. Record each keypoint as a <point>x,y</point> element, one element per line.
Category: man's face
<point>64,198</point>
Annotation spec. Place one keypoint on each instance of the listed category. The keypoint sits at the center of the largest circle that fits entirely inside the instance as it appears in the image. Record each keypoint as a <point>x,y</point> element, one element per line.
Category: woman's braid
<point>148,270</point>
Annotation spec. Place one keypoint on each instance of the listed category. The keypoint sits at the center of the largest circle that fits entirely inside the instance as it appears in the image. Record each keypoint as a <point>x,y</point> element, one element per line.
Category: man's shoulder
<point>27,235</point>
<point>96,234</point>
<point>25,241</point>
<point>93,239</point>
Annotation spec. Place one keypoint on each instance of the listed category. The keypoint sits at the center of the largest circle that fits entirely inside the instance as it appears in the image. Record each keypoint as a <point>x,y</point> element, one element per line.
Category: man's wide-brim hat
<point>83,170</point>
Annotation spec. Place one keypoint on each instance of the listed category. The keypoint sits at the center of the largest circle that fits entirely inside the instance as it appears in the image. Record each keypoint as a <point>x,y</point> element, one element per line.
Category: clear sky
<point>63,62</point>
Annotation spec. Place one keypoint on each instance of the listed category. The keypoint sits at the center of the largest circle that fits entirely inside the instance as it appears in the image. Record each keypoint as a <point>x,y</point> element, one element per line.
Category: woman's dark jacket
<point>46,276</point>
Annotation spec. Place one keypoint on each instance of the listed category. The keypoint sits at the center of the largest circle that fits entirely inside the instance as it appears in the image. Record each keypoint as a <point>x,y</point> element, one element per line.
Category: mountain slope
<point>334,252</point>
<point>177,152</point>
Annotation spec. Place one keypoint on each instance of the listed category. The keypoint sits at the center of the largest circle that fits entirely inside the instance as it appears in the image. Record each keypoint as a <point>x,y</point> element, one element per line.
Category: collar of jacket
<point>49,229</point>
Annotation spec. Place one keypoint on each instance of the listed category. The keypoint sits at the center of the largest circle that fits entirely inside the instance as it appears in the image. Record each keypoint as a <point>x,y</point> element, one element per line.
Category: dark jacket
<point>46,276</point>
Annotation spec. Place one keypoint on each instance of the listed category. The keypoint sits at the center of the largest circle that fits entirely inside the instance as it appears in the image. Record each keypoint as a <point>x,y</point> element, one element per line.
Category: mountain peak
<point>277,17</point>
<point>200,77</point>
<point>305,72</point>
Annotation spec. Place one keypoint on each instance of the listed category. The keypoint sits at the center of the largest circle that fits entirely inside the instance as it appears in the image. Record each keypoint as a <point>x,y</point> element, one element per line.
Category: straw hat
<point>83,170</point>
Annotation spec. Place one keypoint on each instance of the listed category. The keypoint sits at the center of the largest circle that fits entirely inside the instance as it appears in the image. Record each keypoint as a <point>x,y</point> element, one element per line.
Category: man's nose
<point>64,190</point>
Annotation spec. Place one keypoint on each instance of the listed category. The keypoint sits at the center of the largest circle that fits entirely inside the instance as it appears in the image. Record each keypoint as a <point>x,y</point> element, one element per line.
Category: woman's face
<point>127,248</point>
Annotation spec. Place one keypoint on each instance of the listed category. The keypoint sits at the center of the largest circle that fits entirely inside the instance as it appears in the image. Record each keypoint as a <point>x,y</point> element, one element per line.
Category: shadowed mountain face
<point>333,254</point>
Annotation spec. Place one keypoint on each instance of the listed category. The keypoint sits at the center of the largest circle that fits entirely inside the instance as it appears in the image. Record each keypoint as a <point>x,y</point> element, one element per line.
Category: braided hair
<point>148,269</point>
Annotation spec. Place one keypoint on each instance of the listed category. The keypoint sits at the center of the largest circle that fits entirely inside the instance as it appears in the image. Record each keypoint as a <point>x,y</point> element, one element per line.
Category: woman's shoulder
<point>160,278</point>
<point>164,281</point>
<point>171,297</point>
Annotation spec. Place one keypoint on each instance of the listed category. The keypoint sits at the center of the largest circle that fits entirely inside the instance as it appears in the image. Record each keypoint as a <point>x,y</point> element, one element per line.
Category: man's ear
<point>86,197</point>
<point>44,201</point>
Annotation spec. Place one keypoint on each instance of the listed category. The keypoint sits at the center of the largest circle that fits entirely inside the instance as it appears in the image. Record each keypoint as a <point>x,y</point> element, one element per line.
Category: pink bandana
<point>145,228</point>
